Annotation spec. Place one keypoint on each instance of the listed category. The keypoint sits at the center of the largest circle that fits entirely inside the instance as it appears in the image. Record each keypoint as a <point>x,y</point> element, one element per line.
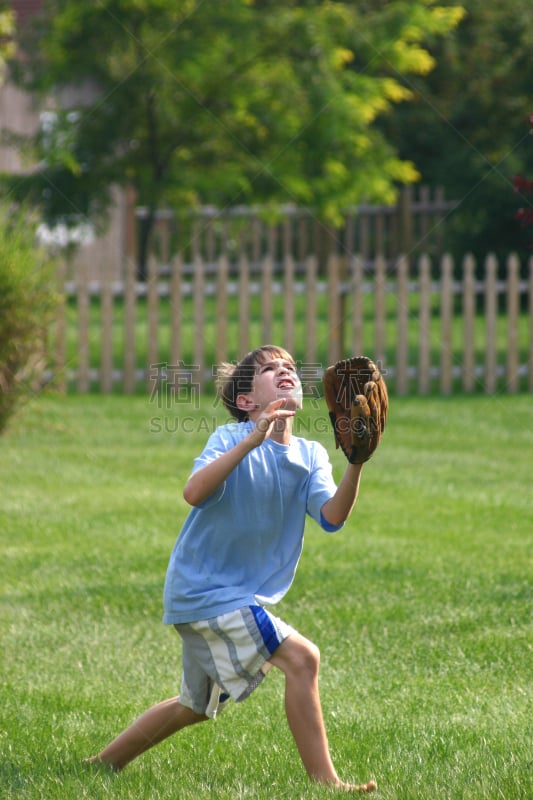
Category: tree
<point>265,101</point>
<point>465,129</point>
<point>7,45</point>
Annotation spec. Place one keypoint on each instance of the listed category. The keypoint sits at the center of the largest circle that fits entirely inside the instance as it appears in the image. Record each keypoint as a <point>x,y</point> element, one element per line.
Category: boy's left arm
<point>339,507</point>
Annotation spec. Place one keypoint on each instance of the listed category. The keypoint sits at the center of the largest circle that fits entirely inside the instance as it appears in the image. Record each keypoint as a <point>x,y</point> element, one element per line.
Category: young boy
<point>237,553</point>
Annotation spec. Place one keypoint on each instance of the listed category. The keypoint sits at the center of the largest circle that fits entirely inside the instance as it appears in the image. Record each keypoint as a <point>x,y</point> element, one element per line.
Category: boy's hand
<point>275,413</point>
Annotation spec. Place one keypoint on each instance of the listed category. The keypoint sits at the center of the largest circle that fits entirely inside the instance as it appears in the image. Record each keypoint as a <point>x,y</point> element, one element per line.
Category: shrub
<point>27,299</point>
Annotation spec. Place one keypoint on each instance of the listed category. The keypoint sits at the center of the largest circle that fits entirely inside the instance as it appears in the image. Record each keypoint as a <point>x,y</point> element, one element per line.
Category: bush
<point>27,299</point>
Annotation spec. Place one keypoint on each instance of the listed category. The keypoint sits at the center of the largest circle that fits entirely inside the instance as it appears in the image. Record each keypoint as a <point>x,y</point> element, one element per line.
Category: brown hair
<point>234,380</point>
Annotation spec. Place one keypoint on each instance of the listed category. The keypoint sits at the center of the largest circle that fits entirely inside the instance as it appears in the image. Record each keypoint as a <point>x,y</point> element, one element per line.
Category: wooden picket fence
<point>415,224</point>
<point>433,327</point>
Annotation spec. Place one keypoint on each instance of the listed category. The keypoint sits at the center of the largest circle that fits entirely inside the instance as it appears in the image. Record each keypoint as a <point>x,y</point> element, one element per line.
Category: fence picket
<point>491,327</point>
<point>266,299</point>
<point>513,267</point>
<point>289,296</point>
<point>130,349</point>
<point>221,347</point>
<point>152,349</point>
<point>311,308</point>
<point>424,363</point>
<point>199,319</point>
<point>176,310</point>
<point>402,312</point>
<point>106,342</point>
<point>83,332</point>
<point>357,304</point>
<point>60,352</point>
<point>469,299</point>
<point>244,304</point>
<point>380,311</point>
<point>446,325</point>
<point>335,315</point>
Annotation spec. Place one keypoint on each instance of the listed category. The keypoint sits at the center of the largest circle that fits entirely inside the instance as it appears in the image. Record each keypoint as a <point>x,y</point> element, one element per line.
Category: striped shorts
<point>227,656</point>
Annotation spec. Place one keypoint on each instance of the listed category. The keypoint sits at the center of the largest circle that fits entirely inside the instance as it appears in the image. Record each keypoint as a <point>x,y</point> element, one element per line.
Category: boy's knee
<point>311,656</point>
<point>298,655</point>
<point>307,660</point>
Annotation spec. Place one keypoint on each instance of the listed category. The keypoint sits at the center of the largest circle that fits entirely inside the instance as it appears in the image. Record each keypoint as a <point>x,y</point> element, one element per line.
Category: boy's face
<point>276,378</point>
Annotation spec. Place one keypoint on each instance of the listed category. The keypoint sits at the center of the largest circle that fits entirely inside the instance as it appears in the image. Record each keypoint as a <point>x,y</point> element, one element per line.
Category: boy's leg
<point>299,660</point>
<point>156,724</point>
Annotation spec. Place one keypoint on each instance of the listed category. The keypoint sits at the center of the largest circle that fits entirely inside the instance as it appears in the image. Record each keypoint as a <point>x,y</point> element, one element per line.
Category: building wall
<point>25,8</point>
<point>17,114</point>
<point>104,256</point>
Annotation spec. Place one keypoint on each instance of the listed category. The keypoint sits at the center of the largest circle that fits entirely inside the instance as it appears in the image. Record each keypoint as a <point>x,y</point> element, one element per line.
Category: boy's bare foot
<point>359,788</point>
<point>97,762</point>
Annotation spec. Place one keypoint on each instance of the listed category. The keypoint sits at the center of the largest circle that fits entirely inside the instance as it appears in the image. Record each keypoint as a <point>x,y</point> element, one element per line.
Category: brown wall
<point>104,255</point>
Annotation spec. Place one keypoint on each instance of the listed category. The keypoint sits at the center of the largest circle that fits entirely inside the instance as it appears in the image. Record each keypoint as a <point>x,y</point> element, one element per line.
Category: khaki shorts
<point>227,656</point>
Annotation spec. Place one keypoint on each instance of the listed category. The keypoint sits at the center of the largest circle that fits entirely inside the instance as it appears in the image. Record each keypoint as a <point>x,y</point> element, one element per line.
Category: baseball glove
<point>357,399</point>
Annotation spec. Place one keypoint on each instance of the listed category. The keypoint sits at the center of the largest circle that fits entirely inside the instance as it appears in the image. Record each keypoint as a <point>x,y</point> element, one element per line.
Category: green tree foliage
<point>467,127</point>
<point>7,29</point>
<point>242,101</point>
<point>27,300</point>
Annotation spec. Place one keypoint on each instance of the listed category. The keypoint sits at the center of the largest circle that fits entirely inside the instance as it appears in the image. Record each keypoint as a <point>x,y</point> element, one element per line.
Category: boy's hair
<point>234,380</point>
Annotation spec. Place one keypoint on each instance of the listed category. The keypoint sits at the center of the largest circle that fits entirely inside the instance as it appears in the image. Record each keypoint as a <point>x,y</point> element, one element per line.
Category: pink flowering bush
<point>524,187</point>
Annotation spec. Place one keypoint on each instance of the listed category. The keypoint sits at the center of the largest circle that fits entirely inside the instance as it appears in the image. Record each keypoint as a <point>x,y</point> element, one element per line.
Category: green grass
<point>421,607</point>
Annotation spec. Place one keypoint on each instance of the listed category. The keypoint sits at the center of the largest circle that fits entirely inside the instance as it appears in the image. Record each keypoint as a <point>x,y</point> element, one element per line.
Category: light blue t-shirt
<point>242,545</point>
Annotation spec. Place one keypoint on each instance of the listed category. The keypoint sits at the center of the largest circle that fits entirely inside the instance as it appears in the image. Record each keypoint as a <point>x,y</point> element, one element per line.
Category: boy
<point>237,553</point>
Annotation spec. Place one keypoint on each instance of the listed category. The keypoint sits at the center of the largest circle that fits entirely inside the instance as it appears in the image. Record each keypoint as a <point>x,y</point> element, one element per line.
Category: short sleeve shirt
<point>242,545</point>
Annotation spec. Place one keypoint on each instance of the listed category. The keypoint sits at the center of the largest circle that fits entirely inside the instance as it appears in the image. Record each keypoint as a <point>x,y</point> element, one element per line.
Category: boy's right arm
<point>206,480</point>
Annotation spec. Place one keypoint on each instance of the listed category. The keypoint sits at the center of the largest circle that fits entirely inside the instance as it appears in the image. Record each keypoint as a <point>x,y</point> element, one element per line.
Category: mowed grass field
<point>421,607</point>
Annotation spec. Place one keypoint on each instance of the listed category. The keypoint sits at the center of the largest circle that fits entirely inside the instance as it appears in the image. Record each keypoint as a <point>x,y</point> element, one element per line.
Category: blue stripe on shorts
<point>269,634</point>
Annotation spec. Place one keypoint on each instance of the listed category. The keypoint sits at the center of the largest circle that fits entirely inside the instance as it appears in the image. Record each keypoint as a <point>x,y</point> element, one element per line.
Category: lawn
<point>421,607</point>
